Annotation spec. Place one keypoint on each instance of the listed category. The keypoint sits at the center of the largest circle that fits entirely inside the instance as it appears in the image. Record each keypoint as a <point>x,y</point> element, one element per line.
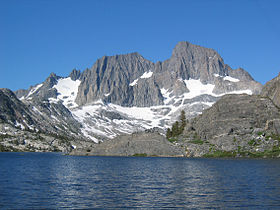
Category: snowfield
<point>102,120</point>
<point>67,90</point>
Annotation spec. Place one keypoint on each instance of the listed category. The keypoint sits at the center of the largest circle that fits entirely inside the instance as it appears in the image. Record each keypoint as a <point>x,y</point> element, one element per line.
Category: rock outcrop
<point>137,144</point>
<point>272,90</point>
<point>237,125</point>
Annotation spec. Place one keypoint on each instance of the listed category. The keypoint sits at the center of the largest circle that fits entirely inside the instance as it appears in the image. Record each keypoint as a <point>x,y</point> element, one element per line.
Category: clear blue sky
<point>38,37</point>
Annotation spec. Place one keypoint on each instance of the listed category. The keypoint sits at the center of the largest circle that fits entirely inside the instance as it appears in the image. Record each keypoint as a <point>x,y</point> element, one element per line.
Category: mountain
<point>127,93</point>
<point>34,127</point>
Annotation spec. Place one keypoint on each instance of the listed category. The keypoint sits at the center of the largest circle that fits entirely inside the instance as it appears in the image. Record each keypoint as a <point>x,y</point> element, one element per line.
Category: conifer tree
<point>182,121</point>
<point>168,133</point>
<point>175,129</point>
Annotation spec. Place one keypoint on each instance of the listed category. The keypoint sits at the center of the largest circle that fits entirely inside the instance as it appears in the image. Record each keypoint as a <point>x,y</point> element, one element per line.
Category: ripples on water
<point>48,180</point>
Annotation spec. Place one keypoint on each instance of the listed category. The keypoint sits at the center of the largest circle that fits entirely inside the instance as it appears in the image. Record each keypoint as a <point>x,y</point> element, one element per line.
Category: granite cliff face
<point>131,80</point>
<point>123,94</point>
<point>236,125</point>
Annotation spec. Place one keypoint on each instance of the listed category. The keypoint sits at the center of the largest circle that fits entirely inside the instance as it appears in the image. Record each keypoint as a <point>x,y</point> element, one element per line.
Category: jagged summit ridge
<point>118,79</point>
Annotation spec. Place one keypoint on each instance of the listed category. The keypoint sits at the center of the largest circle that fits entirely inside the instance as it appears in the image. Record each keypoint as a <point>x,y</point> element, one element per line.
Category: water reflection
<point>55,181</point>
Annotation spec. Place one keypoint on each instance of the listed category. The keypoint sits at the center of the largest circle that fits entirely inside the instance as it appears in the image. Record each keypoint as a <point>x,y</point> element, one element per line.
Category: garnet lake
<point>53,180</point>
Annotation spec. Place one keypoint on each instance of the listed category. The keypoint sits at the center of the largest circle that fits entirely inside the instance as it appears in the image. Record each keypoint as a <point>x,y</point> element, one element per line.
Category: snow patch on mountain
<point>103,121</point>
<point>109,120</point>
<point>146,75</point>
<point>134,82</point>
<point>32,91</point>
<point>17,124</point>
<point>231,79</point>
<point>196,88</point>
<point>67,90</point>
<point>228,78</point>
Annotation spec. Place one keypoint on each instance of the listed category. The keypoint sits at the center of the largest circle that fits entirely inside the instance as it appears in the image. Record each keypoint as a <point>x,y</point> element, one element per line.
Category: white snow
<point>196,88</point>
<point>228,78</point>
<point>231,79</point>
<point>53,100</point>
<point>166,95</point>
<point>143,113</point>
<point>55,118</point>
<point>90,136</point>
<point>33,90</point>
<point>144,76</point>
<point>67,90</point>
<point>164,92</point>
<point>36,110</point>
<point>147,75</point>
<point>19,125</point>
<point>249,92</point>
<point>96,124</point>
<point>134,82</point>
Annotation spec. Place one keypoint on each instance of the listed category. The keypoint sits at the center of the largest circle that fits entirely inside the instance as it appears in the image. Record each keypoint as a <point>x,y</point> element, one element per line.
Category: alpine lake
<point>55,181</point>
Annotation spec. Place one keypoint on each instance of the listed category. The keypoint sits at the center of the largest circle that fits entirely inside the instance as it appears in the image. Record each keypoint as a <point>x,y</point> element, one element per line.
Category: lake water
<point>51,180</point>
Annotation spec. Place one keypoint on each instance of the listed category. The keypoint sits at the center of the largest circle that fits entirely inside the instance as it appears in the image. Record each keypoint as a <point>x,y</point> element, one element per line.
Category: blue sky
<point>43,36</point>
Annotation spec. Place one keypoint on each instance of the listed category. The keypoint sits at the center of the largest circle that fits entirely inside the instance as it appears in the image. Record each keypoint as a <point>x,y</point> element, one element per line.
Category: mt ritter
<point>118,95</point>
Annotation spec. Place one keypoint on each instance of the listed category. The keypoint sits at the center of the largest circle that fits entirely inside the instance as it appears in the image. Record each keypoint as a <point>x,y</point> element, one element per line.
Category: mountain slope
<point>26,126</point>
<point>237,125</point>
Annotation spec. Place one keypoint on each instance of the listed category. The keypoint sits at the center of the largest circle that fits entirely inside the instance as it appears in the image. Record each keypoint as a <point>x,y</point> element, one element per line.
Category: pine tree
<point>175,129</point>
<point>182,121</point>
<point>168,133</point>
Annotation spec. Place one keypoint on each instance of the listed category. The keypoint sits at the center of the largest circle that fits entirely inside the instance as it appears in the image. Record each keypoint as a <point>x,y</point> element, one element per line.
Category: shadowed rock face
<point>12,109</point>
<point>272,90</point>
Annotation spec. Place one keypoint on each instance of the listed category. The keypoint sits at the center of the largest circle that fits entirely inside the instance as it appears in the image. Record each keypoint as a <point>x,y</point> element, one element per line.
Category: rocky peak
<point>75,74</point>
<point>196,62</point>
<point>109,79</point>
<point>51,80</point>
<point>189,51</point>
